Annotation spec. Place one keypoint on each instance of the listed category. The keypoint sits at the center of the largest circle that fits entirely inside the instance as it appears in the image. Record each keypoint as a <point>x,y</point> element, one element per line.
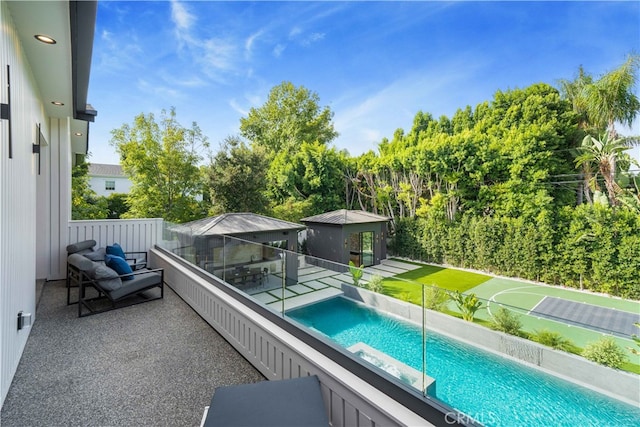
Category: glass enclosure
<point>409,337</point>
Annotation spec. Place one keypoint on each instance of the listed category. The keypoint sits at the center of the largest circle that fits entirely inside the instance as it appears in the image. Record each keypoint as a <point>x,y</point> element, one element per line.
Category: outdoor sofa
<point>101,287</point>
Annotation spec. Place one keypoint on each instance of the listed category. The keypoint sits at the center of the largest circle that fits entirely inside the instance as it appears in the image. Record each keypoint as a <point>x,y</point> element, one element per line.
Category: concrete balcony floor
<point>153,364</point>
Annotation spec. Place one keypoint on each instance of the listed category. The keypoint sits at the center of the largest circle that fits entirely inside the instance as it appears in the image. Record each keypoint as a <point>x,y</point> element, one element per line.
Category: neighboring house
<point>45,63</point>
<point>347,235</point>
<point>108,179</point>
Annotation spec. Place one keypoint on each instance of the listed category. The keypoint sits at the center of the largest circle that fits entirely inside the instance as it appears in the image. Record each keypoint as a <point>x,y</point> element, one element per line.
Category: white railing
<point>134,235</point>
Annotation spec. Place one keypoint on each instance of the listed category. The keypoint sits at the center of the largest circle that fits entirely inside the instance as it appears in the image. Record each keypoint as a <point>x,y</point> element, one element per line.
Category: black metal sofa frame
<point>109,293</point>
<point>137,260</point>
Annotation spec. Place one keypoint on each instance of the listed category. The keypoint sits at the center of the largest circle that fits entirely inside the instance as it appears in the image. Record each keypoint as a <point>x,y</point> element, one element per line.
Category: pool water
<point>492,390</point>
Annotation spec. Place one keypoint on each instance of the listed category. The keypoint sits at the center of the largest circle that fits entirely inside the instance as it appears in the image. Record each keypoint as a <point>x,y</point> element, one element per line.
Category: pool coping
<point>620,385</point>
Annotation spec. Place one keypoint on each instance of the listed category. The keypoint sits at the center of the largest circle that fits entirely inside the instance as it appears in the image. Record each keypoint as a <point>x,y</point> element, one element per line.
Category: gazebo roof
<point>344,216</point>
<point>236,223</point>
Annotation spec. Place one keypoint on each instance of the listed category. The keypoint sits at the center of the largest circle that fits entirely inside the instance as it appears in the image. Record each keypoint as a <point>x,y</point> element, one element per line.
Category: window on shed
<point>109,185</point>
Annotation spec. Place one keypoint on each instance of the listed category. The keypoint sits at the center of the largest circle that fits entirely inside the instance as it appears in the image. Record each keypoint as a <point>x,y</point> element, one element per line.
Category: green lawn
<point>408,286</point>
<point>520,296</point>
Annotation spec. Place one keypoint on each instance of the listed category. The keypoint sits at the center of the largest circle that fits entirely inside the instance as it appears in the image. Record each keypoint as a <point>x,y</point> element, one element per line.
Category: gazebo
<point>254,242</point>
<point>347,235</point>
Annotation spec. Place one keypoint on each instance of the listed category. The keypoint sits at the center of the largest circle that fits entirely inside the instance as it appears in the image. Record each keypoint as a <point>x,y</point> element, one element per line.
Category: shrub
<point>435,298</point>
<point>554,340</point>
<point>506,321</point>
<point>356,273</point>
<point>467,304</point>
<point>606,352</point>
<point>635,339</point>
<point>375,284</point>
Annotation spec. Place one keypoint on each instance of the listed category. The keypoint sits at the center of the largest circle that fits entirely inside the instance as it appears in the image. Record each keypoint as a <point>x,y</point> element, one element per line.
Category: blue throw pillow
<point>116,250</point>
<point>119,265</point>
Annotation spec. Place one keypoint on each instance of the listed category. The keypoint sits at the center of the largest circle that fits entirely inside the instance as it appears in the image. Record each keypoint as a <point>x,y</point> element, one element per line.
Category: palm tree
<point>602,155</point>
<point>611,98</point>
<point>599,105</point>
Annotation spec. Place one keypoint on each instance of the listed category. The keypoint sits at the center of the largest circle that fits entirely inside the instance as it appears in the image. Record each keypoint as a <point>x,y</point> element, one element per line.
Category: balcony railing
<point>245,291</point>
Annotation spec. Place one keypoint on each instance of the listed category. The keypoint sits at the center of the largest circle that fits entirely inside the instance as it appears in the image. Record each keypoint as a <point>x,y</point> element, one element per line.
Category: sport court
<point>579,316</point>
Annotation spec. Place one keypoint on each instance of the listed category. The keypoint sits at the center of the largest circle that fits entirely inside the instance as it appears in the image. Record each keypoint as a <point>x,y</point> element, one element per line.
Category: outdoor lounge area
<point>149,365</point>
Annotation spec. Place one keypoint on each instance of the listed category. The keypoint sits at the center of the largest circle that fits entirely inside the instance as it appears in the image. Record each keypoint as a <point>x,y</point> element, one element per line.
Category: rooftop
<point>344,216</point>
<point>236,223</point>
<point>150,364</point>
<point>105,170</point>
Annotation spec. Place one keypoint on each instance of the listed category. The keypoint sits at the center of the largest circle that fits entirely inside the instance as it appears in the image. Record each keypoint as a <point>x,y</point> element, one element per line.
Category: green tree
<point>161,160</point>
<point>290,116</point>
<point>602,154</point>
<point>611,99</point>
<point>85,203</point>
<point>117,205</point>
<point>314,174</point>
<point>237,178</point>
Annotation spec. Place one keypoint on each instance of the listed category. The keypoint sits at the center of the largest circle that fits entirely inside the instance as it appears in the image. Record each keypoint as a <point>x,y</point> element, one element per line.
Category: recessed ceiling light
<point>58,103</point>
<point>78,134</point>
<point>45,39</point>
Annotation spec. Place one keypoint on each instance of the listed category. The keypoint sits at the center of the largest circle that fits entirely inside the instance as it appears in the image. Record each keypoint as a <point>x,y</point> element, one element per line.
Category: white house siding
<point>29,228</point>
<point>98,182</point>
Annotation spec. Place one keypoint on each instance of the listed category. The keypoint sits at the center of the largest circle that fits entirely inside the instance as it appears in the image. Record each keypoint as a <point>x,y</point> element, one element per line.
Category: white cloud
<point>278,49</point>
<point>295,31</point>
<point>237,107</point>
<point>248,44</point>
<point>165,93</point>
<point>312,38</point>
<point>181,16</point>
<point>219,54</point>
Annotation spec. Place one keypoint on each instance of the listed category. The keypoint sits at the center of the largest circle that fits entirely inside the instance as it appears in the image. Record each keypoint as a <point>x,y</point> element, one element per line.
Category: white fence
<point>134,235</point>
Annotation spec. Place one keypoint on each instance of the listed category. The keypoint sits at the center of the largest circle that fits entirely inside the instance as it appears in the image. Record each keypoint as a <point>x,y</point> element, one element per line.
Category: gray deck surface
<point>153,364</point>
<point>603,319</point>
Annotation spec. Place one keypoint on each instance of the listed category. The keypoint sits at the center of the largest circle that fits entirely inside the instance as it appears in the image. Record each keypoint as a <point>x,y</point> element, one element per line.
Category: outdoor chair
<point>86,248</point>
<point>101,288</point>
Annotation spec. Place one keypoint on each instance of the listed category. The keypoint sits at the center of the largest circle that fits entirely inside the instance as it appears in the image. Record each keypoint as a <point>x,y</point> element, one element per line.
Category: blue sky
<point>375,64</point>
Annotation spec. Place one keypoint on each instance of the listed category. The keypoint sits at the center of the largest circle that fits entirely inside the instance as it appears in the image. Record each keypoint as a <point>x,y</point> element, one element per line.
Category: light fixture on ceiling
<point>78,134</point>
<point>45,39</point>
<point>57,103</point>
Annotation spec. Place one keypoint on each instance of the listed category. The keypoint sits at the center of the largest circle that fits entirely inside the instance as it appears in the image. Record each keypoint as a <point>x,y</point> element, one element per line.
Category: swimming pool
<point>492,390</point>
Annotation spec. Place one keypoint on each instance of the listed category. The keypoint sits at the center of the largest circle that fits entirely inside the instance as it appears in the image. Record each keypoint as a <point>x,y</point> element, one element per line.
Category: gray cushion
<point>106,277</point>
<point>79,246</point>
<point>81,262</point>
<point>292,402</point>
<point>97,255</point>
<point>140,282</point>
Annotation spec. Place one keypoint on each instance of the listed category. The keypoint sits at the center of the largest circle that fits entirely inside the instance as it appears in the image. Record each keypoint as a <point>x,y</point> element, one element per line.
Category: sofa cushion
<point>140,282</point>
<point>106,277</point>
<point>97,255</point>
<point>116,250</point>
<point>119,264</point>
<point>81,262</point>
<point>81,246</point>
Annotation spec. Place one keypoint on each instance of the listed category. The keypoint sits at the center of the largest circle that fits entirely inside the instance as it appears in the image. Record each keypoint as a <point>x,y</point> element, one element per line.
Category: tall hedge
<point>590,246</point>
